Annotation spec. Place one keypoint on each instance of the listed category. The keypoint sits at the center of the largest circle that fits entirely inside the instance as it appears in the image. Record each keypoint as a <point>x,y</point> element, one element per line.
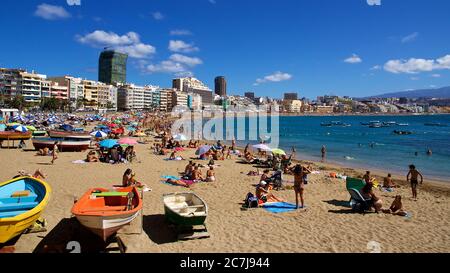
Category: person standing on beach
<point>324,152</point>
<point>412,177</point>
<point>299,185</point>
<point>55,152</point>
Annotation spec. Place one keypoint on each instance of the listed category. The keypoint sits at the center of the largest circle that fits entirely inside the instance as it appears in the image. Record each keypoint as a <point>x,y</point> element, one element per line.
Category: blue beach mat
<point>171,177</point>
<point>279,207</point>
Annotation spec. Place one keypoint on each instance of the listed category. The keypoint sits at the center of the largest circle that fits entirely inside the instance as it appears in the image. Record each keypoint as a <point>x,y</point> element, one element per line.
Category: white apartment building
<point>75,88</point>
<point>179,99</point>
<point>151,97</point>
<point>130,97</point>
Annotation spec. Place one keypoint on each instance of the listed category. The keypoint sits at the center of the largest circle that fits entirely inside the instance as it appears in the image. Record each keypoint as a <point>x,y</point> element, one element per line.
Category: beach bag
<point>251,201</point>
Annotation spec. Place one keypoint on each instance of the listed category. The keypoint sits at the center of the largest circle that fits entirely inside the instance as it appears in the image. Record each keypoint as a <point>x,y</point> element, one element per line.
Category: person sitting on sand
<point>367,177</point>
<point>43,152</point>
<point>129,179</point>
<point>388,183</point>
<point>174,156</point>
<point>197,175</point>
<point>265,176</point>
<point>264,194</point>
<point>210,175</point>
<point>188,168</point>
<point>367,193</point>
<point>92,157</point>
<point>396,207</point>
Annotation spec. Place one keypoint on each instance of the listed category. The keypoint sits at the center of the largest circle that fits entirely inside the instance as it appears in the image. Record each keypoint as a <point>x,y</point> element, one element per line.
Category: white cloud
<point>376,67</point>
<point>410,38</point>
<point>190,61</point>
<point>129,43</point>
<point>354,59</point>
<point>436,75</point>
<point>51,12</point>
<point>158,15</point>
<point>180,32</point>
<point>414,66</point>
<point>74,2</point>
<point>275,77</point>
<point>180,46</point>
<point>167,66</point>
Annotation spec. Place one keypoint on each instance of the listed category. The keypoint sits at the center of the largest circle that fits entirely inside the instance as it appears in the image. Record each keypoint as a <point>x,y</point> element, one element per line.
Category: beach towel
<point>79,162</point>
<point>279,207</point>
<point>176,159</point>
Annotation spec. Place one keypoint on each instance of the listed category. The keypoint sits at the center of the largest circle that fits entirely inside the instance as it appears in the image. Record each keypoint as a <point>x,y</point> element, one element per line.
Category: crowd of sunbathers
<point>114,155</point>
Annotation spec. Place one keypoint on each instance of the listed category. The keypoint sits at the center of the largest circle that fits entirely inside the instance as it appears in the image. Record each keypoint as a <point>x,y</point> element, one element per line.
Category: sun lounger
<point>358,202</point>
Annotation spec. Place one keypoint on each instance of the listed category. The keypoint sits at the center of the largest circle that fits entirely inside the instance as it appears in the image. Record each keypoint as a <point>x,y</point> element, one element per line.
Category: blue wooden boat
<point>22,201</point>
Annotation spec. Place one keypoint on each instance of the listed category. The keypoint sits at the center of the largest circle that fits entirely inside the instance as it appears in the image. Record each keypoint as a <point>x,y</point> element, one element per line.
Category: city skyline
<point>275,49</point>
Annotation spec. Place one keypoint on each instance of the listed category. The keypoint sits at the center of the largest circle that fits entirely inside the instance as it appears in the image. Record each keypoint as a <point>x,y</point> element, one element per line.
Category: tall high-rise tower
<point>112,67</point>
<point>220,86</point>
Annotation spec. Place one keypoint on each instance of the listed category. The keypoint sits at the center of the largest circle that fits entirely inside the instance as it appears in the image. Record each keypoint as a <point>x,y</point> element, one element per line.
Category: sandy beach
<point>326,225</point>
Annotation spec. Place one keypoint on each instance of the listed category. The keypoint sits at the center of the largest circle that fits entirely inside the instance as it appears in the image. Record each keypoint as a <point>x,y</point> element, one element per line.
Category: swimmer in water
<point>429,152</point>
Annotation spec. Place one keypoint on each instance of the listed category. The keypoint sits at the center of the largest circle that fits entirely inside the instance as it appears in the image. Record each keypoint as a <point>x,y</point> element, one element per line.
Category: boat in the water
<point>65,144</point>
<point>105,212</point>
<point>397,132</point>
<point>335,123</point>
<point>185,209</point>
<point>22,201</point>
<point>436,124</point>
<point>13,135</point>
<point>403,124</point>
<point>69,134</point>
<point>375,124</point>
<point>389,123</point>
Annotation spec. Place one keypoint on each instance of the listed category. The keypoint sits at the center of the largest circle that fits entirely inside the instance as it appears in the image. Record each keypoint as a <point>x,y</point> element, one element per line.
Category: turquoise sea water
<point>352,145</point>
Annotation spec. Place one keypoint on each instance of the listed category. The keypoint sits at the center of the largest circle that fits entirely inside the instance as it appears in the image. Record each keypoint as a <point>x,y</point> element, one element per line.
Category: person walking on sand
<point>55,152</point>
<point>412,177</point>
<point>324,152</point>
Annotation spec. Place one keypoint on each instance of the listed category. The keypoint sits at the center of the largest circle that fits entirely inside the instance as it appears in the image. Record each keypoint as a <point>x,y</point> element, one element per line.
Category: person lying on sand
<point>177,182</point>
<point>173,156</point>
<point>396,207</point>
<point>38,174</point>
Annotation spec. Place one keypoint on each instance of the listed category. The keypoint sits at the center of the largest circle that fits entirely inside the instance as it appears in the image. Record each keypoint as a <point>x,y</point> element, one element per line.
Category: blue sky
<point>313,47</point>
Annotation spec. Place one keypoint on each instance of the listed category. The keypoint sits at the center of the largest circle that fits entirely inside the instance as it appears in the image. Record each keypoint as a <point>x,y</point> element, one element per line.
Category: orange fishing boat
<point>105,212</point>
<point>11,135</point>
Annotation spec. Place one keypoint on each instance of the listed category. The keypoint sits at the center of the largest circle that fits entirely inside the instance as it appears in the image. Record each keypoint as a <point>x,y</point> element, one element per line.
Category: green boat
<point>185,209</point>
<point>39,133</point>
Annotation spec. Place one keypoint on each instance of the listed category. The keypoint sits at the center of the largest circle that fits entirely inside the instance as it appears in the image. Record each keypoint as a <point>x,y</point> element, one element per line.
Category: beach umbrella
<point>13,124</point>
<point>278,152</point>
<point>261,146</point>
<point>108,143</point>
<point>31,128</point>
<point>67,127</point>
<point>99,134</point>
<point>203,149</point>
<point>21,129</point>
<point>128,141</point>
<point>180,137</point>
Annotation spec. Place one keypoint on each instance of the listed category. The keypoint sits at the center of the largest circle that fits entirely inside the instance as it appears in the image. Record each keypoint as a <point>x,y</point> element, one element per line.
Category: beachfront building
<point>9,81</point>
<point>46,87</point>
<point>59,92</point>
<point>151,97</point>
<point>292,106</point>
<point>112,67</point>
<point>166,99</point>
<point>324,109</point>
<point>179,99</point>
<point>130,97</point>
<point>220,86</point>
<point>30,86</point>
<point>75,88</point>
<point>90,93</point>
<point>290,96</point>
<point>107,96</point>
<point>194,102</point>
<point>193,85</point>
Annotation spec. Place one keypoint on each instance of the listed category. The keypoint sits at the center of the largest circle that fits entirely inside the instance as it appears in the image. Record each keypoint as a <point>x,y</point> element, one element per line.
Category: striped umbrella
<point>99,134</point>
<point>21,129</point>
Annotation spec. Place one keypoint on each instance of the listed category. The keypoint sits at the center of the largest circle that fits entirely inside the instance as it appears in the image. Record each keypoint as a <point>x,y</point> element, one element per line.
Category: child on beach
<point>129,180</point>
<point>412,177</point>
<point>55,152</point>
<point>299,185</point>
<point>38,174</point>
<point>210,175</point>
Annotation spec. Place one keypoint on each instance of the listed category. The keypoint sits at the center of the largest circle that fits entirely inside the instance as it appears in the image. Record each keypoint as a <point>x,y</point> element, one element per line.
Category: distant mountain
<point>443,92</point>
